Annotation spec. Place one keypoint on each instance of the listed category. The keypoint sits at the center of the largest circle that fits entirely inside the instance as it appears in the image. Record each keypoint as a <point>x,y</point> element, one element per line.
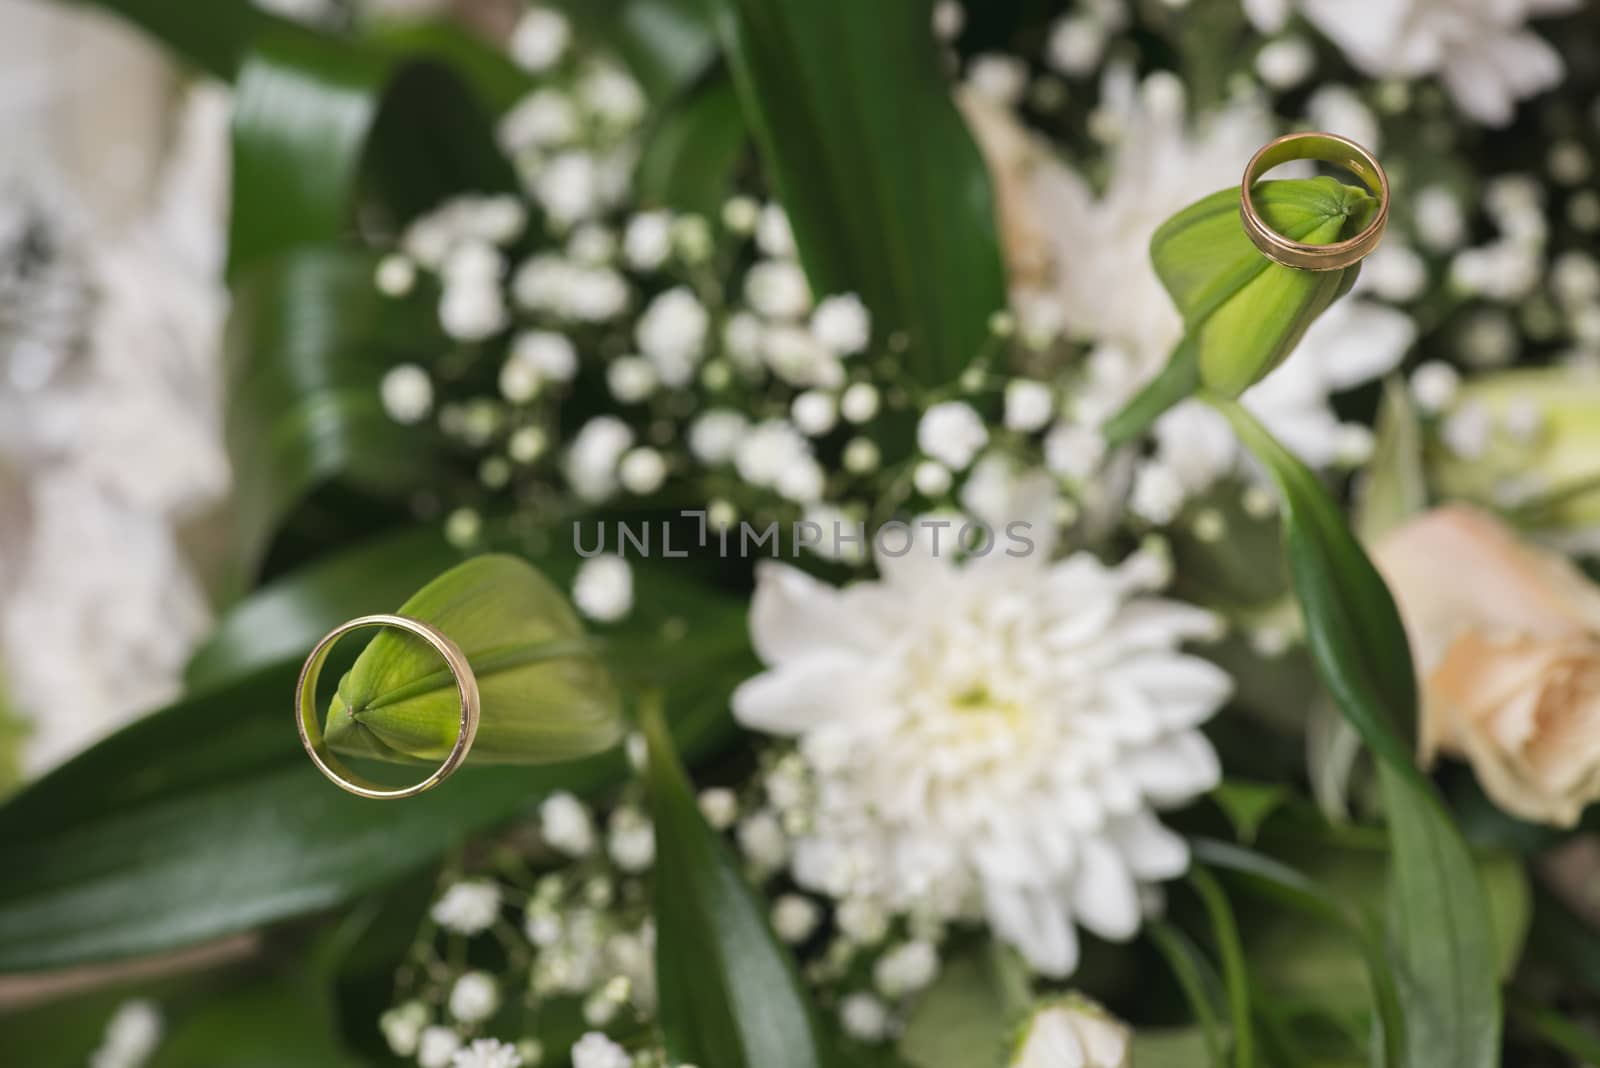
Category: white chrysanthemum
<point>487,1053</point>
<point>595,1050</point>
<point>989,739</point>
<point>468,907</point>
<point>1482,50</point>
<point>1074,1034</point>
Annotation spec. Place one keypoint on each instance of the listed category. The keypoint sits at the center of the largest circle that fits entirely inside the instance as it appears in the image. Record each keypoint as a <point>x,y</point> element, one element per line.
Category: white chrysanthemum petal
<point>1104,897</point>
<point>1177,769</point>
<point>795,698</point>
<point>1151,851</point>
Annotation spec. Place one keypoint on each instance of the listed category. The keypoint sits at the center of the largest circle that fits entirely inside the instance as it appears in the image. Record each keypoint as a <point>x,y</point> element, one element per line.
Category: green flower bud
<point>546,695</point>
<point>1243,313</point>
<point>1528,442</point>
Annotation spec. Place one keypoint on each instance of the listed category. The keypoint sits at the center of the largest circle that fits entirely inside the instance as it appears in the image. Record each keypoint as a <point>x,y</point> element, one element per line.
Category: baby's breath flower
<point>396,275</point>
<point>564,822</point>
<point>468,907</point>
<point>720,807</point>
<point>603,591</point>
<point>763,842</point>
<point>795,918</point>
<point>777,289</point>
<point>672,334</point>
<point>631,379</point>
<point>595,1050</point>
<point>487,1053</point>
<point>437,1047</point>
<point>540,39</point>
<point>402,1027</point>
<point>407,393</point>
<point>952,433</point>
<point>906,969</point>
<point>647,242</point>
<point>1029,405</point>
<point>774,236</point>
<point>642,471</point>
<point>715,436</point>
<point>860,402</point>
<point>474,997</point>
<point>864,1017</point>
<point>631,840</point>
<point>591,466</point>
<point>567,187</point>
<point>815,412</point>
<point>842,324</point>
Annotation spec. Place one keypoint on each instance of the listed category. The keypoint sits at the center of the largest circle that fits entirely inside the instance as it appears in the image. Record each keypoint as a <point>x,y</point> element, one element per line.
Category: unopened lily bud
<point>1527,442</point>
<point>1244,313</point>
<point>546,695</point>
<point>1074,1033</point>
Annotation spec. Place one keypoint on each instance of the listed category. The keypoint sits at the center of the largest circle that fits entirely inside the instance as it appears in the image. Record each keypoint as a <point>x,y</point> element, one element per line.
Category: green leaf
<point>1235,976</point>
<point>1198,981</point>
<point>308,342</point>
<point>885,187</point>
<point>206,818</point>
<point>211,35</point>
<point>729,992</point>
<point>545,695</point>
<point>964,1020</point>
<point>690,157</point>
<point>1441,934</point>
<point>666,43</point>
<point>1396,485</point>
<point>495,79</point>
<point>313,115</point>
<point>1248,805</point>
<point>1170,1049</point>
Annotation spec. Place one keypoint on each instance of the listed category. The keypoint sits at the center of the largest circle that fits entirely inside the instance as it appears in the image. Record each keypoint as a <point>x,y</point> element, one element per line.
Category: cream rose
<point>1506,638</point>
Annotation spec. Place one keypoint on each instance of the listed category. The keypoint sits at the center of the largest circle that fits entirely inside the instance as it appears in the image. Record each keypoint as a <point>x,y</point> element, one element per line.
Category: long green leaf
<point>666,43</point>
<point>887,192</point>
<point>1280,883</point>
<point>312,114</point>
<point>206,818</point>
<point>690,157</point>
<point>1441,934</point>
<point>308,343</point>
<point>729,992</point>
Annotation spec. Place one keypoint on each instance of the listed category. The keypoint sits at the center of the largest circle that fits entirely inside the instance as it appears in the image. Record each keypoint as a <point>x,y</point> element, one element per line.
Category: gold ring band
<point>310,728</point>
<point>1325,148</point>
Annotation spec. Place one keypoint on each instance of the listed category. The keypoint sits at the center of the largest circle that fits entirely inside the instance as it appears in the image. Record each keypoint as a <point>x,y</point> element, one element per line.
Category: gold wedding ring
<point>310,728</point>
<point>1325,148</point>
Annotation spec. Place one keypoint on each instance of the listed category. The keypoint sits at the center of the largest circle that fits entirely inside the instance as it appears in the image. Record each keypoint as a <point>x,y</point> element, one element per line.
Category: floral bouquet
<point>842,534</point>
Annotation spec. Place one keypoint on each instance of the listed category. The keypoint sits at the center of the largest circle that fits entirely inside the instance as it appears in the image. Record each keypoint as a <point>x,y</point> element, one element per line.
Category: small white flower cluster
<point>131,1036</point>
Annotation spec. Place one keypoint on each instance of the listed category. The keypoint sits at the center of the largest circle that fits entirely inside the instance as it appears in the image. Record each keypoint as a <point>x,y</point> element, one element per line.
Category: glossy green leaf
<point>1396,485</point>
<point>546,696</point>
<point>1441,933</point>
<point>207,818</point>
<point>315,115</point>
<point>1199,983</point>
<point>729,993</point>
<point>887,192</point>
<point>1235,975</point>
<point>966,1019</point>
<point>1281,884</point>
<point>308,343</point>
<point>694,149</point>
<point>666,43</point>
<point>496,81</point>
<point>1170,1049</point>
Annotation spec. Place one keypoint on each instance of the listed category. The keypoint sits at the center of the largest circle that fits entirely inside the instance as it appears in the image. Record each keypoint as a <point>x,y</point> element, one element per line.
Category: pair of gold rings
<point>310,726</point>
<point>1325,148</point>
